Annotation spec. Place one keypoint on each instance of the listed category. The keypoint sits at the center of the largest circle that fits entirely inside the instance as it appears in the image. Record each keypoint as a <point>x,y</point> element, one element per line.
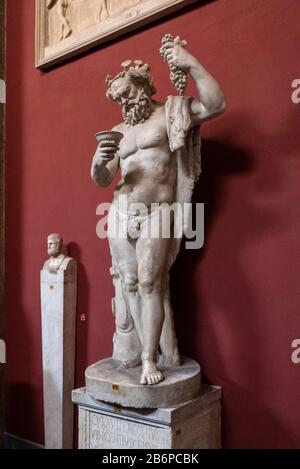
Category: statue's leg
<point>66,30</point>
<point>151,257</point>
<point>132,299</point>
<point>168,342</point>
<point>103,11</point>
<point>123,252</point>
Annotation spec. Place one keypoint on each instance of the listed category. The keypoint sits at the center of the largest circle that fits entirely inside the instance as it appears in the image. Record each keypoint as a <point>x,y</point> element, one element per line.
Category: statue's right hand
<point>106,151</point>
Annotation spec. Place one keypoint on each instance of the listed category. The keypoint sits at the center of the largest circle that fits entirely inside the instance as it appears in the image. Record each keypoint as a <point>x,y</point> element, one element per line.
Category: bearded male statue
<point>159,160</point>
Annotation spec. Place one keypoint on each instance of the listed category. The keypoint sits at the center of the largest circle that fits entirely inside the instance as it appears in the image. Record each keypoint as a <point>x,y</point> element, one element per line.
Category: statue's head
<point>132,89</point>
<point>54,244</point>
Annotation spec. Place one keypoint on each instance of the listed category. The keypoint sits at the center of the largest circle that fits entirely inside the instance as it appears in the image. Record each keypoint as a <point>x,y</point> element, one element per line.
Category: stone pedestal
<point>193,425</point>
<point>108,381</point>
<point>58,300</point>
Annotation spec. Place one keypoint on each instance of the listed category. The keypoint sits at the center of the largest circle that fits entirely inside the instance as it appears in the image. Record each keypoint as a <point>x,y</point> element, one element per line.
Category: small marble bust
<point>57,260</point>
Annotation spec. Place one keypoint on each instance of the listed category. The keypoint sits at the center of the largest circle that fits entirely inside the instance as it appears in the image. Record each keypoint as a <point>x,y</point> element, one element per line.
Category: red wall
<point>237,301</point>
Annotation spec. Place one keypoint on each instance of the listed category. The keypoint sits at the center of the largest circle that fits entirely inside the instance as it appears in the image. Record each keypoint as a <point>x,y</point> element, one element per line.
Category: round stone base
<point>108,381</point>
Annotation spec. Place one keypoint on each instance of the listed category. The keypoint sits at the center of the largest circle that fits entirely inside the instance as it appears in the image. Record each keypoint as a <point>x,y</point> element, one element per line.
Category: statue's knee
<point>130,282</point>
<point>148,286</point>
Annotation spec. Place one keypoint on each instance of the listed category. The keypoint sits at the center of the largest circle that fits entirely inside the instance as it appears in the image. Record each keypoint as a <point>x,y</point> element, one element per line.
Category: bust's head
<point>54,245</point>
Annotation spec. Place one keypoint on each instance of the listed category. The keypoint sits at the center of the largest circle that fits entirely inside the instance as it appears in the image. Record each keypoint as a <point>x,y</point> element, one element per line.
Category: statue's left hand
<point>179,56</point>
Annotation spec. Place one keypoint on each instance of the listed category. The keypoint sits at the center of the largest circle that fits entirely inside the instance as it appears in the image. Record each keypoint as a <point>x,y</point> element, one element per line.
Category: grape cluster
<point>177,76</point>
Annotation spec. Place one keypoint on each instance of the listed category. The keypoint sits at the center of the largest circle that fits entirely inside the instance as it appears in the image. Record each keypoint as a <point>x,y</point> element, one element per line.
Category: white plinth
<point>108,381</point>
<point>193,425</point>
<point>58,301</point>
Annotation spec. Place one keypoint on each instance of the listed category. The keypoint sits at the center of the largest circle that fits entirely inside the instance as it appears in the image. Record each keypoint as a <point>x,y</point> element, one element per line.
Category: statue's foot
<point>151,375</point>
<point>169,360</point>
<point>132,363</point>
<point>68,33</point>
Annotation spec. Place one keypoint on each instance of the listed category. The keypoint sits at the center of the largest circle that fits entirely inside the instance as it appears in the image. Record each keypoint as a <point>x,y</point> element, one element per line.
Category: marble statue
<point>159,160</point>
<point>58,283</point>
<point>57,260</point>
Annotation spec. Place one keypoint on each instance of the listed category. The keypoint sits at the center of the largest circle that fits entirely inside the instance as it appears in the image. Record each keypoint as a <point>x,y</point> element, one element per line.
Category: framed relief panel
<point>67,27</point>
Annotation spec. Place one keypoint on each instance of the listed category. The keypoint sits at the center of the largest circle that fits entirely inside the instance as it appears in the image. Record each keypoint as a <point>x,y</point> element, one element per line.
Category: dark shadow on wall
<point>23,401</point>
<point>241,369</point>
<point>81,326</point>
<point>219,160</point>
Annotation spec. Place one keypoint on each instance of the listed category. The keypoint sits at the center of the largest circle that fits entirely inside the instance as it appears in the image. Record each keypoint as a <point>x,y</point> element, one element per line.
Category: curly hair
<point>138,74</point>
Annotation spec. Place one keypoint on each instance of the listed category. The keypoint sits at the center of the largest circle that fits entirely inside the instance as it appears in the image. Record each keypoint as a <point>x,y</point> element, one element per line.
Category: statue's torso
<point>61,262</point>
<point>148,167</point>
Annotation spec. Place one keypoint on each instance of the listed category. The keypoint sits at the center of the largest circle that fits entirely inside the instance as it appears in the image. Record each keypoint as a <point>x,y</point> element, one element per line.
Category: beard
<point>53,252</point>
<point>137,110</point>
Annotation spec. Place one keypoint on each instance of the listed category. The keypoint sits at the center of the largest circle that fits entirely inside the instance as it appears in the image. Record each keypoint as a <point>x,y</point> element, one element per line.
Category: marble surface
<point>58,301</point>
<point>160,162</point>
<point>195,424</point>
<point>108,381</point>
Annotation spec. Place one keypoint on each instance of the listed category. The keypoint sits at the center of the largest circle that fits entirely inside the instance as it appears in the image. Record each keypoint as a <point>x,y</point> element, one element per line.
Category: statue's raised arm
<point>211,100</point>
